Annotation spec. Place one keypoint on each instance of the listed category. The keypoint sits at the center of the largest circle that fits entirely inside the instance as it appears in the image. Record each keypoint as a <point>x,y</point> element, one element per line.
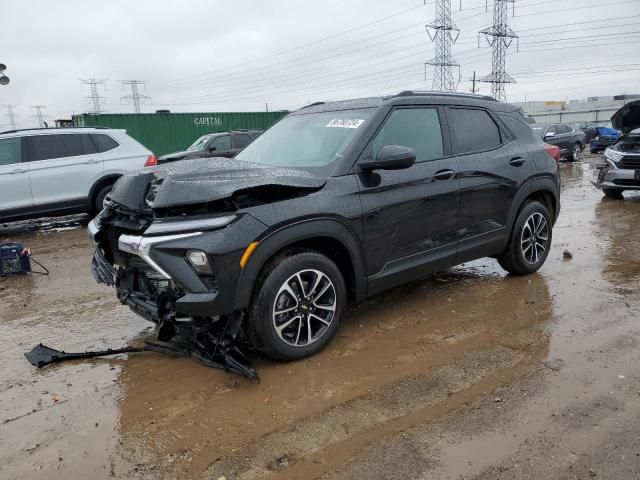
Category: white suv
<point>63,170</point>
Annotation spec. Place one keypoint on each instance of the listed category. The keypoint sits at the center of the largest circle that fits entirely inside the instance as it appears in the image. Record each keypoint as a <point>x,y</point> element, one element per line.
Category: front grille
<point>630,162</point>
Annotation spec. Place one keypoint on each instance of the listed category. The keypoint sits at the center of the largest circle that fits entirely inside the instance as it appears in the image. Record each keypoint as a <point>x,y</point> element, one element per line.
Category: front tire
<point>612,192</point>
<point>530,240</point>
<point>99,198</point>
<point>298,307</point>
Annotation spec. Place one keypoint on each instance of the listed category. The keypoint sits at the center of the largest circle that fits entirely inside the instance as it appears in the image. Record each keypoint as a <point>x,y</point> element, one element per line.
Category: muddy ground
<point>467,374</point>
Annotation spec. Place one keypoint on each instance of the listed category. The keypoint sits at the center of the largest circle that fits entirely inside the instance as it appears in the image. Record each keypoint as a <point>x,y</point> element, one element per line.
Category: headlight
<point>597,139</point>
<point>170,226</point>
<point>612,155</point>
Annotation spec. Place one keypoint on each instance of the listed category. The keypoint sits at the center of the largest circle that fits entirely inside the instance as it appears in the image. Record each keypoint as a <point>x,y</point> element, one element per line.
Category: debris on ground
<point>567,254</point>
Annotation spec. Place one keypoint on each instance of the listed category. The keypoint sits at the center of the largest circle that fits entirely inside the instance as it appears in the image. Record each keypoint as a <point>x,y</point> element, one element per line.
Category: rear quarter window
<point>473,130</point>
<point>104,143</point>
<point>520,129</point>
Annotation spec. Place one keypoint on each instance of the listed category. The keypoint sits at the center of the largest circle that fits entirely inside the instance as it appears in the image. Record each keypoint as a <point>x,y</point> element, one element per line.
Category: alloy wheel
<point>576,152</point>
<point>304,307</point>
<point>534,238</point>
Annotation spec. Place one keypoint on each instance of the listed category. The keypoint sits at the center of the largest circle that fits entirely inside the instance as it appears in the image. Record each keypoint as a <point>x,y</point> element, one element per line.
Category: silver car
<point>51,171</point>
<point>621,168</point>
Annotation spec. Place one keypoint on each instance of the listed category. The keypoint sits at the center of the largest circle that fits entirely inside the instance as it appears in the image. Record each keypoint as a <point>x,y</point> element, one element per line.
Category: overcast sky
<point>205,55</point>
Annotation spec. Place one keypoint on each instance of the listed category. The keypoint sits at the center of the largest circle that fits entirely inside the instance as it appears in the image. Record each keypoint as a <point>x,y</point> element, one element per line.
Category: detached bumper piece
<point>211,344</point>
<point>102,270</point>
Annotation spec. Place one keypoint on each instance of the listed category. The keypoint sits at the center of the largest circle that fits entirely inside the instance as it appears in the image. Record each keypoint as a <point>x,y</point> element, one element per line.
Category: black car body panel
<point>381,227</point>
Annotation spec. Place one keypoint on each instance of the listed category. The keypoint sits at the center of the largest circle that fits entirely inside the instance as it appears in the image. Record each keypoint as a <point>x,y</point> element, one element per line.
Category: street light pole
<point>4,80</point>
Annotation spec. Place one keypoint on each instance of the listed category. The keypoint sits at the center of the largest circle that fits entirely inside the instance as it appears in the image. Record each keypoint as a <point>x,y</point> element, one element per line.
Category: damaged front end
<point>170,242</point>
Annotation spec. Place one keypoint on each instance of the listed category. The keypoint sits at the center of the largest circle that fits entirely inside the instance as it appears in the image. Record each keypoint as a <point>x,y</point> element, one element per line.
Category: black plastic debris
<point>213,345</point>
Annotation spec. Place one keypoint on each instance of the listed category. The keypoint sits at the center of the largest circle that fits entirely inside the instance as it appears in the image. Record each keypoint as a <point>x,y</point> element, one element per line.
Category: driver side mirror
<point>391,157</point>
<point>212,149</point>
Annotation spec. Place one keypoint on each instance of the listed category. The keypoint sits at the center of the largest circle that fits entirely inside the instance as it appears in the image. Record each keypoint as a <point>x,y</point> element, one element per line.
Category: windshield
<point>312,142</point>
<point>199,144</point>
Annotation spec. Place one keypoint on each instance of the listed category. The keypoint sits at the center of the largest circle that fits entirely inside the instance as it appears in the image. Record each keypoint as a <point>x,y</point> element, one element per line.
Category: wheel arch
<point>543,190</point>
<point>329,237</point>
<point>99,184</point>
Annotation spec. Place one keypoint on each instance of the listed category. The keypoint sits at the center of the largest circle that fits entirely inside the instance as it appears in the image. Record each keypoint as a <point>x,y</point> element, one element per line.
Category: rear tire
<point>99,198</point>
<point>612,192</point>
<point>298,306</point>
<point>530,240</point>
<point>576,152</point>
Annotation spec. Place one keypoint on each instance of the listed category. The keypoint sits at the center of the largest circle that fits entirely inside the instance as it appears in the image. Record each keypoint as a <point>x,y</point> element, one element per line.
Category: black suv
<point>334,203</point>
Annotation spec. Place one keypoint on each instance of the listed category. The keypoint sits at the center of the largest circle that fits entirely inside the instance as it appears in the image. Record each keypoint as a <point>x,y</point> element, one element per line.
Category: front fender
<point>275,241</point>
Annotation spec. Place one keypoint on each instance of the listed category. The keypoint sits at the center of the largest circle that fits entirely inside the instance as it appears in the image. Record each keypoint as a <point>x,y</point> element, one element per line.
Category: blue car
<point>603,137</point>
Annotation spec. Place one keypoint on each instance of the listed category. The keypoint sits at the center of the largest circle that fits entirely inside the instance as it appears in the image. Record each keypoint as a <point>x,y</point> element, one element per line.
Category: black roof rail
<point>414,93</point>
<point>51,128</point>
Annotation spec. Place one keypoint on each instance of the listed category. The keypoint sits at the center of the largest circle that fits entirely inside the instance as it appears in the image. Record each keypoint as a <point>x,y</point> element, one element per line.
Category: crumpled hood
<point>204,180</point>
<point>627,118</point>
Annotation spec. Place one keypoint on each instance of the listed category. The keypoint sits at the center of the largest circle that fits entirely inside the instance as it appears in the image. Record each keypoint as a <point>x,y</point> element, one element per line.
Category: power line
<point>135,97</point>
<point>94,97</point>
<point>11,115</point>
<point>324,39</point>
<point>445,33</point>
<point>39,115</point>
<point>500,36</point>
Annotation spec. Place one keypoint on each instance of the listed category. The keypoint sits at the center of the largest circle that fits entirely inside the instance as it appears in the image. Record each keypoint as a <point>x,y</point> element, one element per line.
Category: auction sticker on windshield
<point>345,123</point>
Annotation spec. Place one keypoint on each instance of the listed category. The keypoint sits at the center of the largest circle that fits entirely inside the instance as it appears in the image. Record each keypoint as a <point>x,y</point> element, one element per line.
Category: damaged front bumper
<point>152,274</point>
<point>609,176</point>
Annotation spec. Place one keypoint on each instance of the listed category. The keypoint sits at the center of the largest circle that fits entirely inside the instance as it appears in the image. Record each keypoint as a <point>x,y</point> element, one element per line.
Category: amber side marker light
<point>247,253</point>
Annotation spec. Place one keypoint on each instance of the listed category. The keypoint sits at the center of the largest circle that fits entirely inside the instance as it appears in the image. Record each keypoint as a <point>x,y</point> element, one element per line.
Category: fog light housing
<point>199,261</point>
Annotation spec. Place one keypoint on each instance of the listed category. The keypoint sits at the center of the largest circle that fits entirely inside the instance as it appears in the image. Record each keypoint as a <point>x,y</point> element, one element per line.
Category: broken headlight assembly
<point>174,226</point>
<point>613,155</point>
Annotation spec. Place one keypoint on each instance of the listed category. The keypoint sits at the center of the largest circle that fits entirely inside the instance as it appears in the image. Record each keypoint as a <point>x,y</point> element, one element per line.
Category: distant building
<point>591,109</point>
<point>64,122</point>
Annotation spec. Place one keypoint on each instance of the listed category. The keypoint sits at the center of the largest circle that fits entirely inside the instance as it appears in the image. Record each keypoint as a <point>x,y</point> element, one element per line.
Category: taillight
<point>151,161</point>
<point>553,151</point>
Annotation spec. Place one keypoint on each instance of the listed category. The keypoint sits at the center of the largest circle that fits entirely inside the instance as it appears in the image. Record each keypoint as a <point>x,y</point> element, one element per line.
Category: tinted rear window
<point>45,147</point>
<point>473,130</point>
<point>104,142</point>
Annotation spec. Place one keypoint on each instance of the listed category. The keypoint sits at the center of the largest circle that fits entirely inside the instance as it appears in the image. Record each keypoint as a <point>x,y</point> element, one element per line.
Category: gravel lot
<point>467,374</point>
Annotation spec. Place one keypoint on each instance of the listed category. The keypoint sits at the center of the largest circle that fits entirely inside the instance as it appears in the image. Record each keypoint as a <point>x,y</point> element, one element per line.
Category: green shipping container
<point>170,132</point>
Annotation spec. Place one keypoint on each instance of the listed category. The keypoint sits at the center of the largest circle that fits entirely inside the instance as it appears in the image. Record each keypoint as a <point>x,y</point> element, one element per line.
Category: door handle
<point>516,162</point>
<point>443,175</point>
<point>92,160</point>
<point>18,171</point>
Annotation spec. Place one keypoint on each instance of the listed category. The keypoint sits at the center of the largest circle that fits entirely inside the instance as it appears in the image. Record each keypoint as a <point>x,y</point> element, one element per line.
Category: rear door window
<point>241,140</point>
<point>473,130</point>
<point>104,143</point>
<point>416,128</point>
<point>10,151</point>
<point>46,147</point>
